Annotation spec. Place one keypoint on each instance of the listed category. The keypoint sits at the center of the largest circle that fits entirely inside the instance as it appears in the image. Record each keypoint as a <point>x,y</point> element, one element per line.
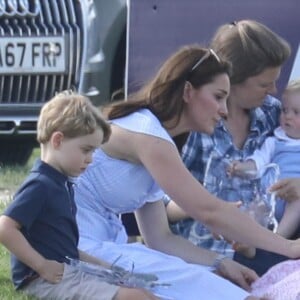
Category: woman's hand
<point>237,273</point>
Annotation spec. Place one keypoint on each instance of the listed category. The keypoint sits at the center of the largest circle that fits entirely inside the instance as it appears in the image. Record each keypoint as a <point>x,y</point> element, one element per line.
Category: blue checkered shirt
<point>197,150</point>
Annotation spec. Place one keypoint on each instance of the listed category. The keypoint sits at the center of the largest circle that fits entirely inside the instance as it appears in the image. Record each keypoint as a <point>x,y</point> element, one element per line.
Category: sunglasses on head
<point>205,57</point>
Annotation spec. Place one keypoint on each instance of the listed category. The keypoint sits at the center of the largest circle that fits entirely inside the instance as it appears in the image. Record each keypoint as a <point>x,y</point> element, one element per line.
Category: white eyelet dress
<point>110,187</point>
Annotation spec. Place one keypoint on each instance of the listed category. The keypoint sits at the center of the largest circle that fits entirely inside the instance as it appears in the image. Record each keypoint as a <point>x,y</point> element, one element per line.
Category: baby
<point>282,149</point>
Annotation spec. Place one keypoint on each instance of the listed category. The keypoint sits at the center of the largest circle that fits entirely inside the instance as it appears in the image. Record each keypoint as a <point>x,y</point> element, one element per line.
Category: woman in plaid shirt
<point>256,54</point>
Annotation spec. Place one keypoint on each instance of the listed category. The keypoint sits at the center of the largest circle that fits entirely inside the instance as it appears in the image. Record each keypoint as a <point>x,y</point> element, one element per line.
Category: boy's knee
<point>133,294</point>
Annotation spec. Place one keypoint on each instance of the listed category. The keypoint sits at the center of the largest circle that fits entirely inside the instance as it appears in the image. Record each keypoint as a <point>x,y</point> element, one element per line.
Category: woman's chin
<point>209,131</point>
<point>206,130</point>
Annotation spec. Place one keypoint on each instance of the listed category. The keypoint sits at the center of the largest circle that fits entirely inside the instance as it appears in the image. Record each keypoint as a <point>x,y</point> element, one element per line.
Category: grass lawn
<point>10,179</point>
<point>7,291</point>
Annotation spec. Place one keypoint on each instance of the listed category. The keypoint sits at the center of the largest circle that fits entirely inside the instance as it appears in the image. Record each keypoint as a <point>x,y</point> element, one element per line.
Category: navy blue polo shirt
<point>45,209</point>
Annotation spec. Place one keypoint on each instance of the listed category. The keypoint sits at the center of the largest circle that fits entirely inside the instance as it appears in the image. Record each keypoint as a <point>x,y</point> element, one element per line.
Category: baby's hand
<point>52,271</point>
<point>242,168</point>
<point>287,189</point>
<point>234,168</point>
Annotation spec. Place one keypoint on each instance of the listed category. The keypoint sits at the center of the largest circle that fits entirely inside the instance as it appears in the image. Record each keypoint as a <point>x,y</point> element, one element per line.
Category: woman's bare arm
<point>174,212</point>
<point>164,163</point>
<point>158,236</point>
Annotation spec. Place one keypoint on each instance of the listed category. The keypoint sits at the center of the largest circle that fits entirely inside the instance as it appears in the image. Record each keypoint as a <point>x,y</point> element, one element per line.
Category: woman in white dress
<point>140,163</point>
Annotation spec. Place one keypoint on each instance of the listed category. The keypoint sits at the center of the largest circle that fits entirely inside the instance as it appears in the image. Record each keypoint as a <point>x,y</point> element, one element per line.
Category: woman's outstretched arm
<point>163,161</point>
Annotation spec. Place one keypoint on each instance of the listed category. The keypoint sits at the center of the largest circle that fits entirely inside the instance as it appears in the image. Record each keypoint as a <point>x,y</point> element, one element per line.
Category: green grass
<point>7,290</point>
<point>10,179</point>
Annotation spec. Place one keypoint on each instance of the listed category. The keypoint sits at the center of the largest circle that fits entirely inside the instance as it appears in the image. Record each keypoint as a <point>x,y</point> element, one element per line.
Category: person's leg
<point>81,286</point>
<point>261,262</point>
<point>289,224</point>
<point>132,230</point>
<point>133,294</point>
<point>178,279</point>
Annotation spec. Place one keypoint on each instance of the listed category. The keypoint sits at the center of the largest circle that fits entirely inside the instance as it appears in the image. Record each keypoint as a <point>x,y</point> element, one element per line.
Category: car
<point>85,45</point>
<point>50,46</point>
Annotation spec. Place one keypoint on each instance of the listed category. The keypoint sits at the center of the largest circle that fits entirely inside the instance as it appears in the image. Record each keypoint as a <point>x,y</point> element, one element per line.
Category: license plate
<point>43,55</point>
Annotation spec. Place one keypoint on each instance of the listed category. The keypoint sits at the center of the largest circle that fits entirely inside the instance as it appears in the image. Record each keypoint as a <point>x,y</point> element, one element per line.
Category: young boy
<point>39,226</point>
<point>283,149</point>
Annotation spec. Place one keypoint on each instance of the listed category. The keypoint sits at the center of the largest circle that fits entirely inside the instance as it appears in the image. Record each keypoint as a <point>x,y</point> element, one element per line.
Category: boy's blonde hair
<point>72,114</point>
<point>293,86</point>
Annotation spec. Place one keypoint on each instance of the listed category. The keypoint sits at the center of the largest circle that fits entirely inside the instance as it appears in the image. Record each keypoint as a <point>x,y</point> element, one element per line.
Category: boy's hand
<point>52,271</point>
